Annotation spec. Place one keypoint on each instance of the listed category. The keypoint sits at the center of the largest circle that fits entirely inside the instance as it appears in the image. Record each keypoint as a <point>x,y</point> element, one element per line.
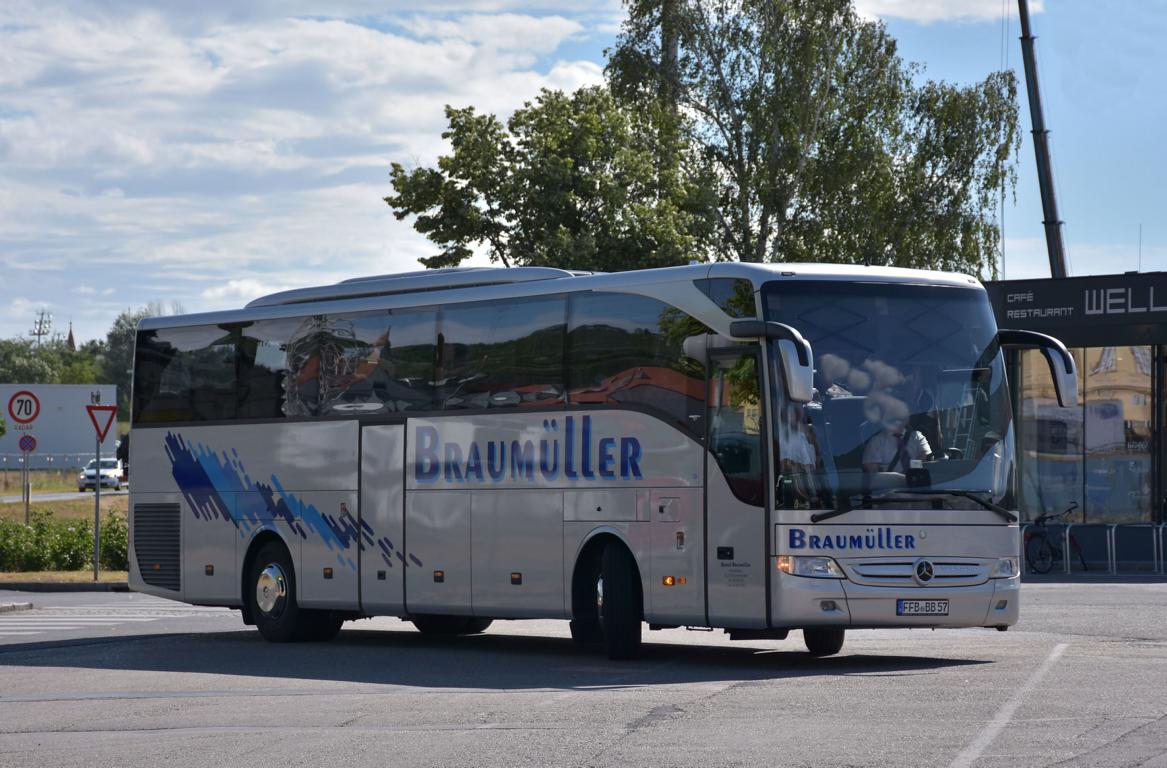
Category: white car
<point>111,475</point>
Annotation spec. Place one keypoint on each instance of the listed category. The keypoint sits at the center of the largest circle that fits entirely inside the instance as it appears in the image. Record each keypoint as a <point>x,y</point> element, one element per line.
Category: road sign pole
<point>109,414</point>
<point>26,490</point>
<point>97,513</point>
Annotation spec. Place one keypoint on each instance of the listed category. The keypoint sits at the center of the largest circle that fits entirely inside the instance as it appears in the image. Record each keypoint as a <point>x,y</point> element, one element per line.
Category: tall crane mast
<point>1045,176</point>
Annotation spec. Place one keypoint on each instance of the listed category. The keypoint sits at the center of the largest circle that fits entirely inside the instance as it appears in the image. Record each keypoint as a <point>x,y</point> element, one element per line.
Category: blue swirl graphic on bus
<point>205,479</point>
<point>583,456</point>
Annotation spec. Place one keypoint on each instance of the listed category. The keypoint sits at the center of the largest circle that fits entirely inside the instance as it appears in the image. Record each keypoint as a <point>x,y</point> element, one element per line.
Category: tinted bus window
<point>350,352</point>
<point>733,295</point>
<point>185,374</point>
<point>369,362</point>
<point>404,380</point>
<point>628,350</point>
<point>263,374</point>
<point>501,354</point>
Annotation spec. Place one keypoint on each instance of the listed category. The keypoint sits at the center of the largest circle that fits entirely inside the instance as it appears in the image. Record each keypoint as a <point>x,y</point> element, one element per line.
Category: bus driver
<point>895,447</point>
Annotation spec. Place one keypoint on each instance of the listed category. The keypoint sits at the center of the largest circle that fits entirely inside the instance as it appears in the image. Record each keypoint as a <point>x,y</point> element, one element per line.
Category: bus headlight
<point>1006,568</point>
<point>815,567</point>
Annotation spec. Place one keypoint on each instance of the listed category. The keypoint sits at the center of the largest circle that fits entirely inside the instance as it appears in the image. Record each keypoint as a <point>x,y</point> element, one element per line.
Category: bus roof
<point>674,285</point>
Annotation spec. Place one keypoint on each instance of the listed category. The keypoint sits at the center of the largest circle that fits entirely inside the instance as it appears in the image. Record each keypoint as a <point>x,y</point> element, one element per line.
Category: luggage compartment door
<point>382,509</point>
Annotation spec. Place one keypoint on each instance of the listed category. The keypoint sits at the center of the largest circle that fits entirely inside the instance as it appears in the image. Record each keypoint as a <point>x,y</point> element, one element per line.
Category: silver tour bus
<point>757,448</point>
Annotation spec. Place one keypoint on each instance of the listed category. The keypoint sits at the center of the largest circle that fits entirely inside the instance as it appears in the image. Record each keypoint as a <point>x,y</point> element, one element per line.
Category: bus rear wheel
<point>823,641</point>
<point>272,595</point>
<point>619,602</point>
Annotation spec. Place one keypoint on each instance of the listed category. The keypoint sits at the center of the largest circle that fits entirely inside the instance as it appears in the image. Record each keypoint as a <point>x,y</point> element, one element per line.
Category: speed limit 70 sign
<point>24,407</point>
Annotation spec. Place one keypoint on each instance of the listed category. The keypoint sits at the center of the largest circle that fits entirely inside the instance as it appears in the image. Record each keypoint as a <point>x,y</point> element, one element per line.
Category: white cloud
<point>242,289</point>
<point>21,310</point>
<point>210,153</point>
<point>506,31</point>
<point>932,11</point>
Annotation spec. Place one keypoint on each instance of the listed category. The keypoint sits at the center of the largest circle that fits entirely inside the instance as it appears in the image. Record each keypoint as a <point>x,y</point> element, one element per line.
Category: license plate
<point>921,607</point>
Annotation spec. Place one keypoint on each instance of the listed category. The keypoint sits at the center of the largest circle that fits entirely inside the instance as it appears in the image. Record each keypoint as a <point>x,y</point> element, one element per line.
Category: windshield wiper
<point>964,494</point>
<point>898,498</point>
<point>846,506</point>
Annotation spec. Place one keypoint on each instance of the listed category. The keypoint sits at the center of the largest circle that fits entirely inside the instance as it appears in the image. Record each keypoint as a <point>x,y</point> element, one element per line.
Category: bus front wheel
<point>619,602</point>
<point>823,642</point>
<point>272,594</point>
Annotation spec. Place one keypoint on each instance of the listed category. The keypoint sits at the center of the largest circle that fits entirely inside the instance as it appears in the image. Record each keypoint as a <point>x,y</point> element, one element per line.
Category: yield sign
<point>107,415</point>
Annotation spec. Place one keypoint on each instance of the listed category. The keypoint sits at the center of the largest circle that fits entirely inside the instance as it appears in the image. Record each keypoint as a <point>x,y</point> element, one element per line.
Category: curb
<point>14,607</point>
<point>63,586</point>
<point>1094,578</point>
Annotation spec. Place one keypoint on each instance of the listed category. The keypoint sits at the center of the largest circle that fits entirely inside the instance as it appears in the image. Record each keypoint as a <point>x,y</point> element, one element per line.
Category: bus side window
<point>161,382</point>
<point>263,368</point>
<point>629,350</point>
<point>367,362</point>
<point>186,374</point>
<point>502,354</point>
<point>736,427</point>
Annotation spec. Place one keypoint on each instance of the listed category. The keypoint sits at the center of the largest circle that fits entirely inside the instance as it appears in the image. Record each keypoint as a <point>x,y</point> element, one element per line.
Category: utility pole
<point>43,325</point>
<point>1045,175</point>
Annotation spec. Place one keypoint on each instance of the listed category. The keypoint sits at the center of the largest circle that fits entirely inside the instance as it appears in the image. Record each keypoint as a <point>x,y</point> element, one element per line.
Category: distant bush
<point>115,547</point>
<point>47,544</point>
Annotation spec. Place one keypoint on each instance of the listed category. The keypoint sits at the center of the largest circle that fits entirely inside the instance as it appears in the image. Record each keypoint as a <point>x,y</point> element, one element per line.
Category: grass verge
<point>60,577</point>
<point>76,509</point>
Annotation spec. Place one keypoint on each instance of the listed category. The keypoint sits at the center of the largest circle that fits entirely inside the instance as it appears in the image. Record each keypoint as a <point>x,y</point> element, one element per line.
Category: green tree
<point>574,181</point>
<point>825,146</point>
<point>50,362</point>
<point>22,362</point>
<point>118,361</point>
<point>116,354</point>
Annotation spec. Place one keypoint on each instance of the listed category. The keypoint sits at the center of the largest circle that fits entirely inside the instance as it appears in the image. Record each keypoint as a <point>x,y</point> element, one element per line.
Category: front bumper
<point>106,482</point>
<point>800,601</point>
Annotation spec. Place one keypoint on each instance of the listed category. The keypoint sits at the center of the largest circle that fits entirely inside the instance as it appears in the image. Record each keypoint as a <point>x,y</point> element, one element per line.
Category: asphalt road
<point>66,496</point>
<point>126,680</point>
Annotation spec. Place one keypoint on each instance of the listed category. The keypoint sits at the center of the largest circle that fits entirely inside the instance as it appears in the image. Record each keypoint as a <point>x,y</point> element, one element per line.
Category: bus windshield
<point>910,402</point>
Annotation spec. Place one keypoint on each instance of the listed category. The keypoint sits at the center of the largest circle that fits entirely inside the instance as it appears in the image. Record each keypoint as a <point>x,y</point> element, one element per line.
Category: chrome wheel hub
<point>271,590</point>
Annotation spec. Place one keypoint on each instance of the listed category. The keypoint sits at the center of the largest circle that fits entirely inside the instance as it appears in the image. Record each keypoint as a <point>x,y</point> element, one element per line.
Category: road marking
<point>1005,714</point>
<point>36,623</point>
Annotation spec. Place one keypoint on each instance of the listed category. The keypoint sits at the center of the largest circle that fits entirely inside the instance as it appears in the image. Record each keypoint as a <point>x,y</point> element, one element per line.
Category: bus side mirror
<point>792,347</point>
<point>1062,368</point>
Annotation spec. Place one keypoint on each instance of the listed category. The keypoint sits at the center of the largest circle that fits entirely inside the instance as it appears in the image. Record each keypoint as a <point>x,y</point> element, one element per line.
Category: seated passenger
<point>897,445</point>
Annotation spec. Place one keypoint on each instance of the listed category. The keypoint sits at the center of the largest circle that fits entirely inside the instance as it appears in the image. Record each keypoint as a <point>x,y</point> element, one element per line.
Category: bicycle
<point>1042,548</point>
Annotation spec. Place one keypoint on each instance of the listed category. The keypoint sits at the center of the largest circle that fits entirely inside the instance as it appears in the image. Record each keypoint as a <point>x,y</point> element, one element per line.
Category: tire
<point>823,641</point>
<point>1040,554</point>
<point>586,631</point>
<point>319,626</point>
<point>436,625</point>
<point>477,625</point>
<point>585,607</point>
<point>272,595</point>
<point>620,605</point>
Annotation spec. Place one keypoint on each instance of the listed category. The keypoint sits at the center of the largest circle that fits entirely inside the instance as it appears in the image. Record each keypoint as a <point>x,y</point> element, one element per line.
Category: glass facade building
<point>1106,454</point>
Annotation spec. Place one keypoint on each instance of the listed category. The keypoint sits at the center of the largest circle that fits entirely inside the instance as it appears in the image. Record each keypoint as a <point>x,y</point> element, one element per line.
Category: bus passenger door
<point>735,489</point>
<point>382,506</point>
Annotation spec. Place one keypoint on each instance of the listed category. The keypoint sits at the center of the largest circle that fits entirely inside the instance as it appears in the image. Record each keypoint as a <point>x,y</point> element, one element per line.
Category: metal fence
<point>1110,548</point>
<point>15,461</point>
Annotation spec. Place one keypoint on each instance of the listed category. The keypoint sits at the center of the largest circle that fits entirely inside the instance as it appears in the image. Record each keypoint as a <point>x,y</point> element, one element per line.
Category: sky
<point>202,154</point>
